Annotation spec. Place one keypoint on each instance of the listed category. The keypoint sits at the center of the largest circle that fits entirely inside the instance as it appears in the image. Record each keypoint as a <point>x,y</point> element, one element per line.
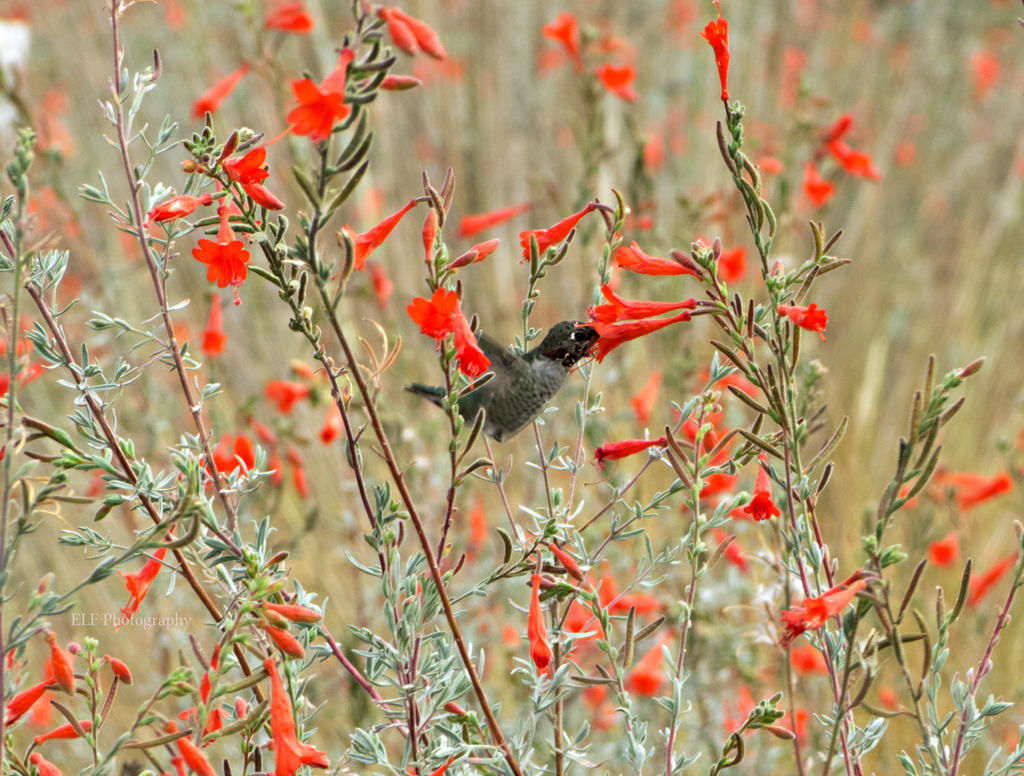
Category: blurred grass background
<point>935,245</point>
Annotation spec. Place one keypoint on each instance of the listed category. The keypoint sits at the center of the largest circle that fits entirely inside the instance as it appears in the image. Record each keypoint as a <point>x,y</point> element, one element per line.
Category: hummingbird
<point>522,384</point>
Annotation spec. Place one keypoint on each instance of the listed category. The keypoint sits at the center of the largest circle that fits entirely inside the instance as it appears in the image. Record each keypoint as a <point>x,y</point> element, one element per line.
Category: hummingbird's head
<point>568,342</point>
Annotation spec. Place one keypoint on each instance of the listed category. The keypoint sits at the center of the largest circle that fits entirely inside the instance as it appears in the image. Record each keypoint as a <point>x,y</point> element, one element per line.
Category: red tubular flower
<point>813,613</point>
<point>732,265</point>
<point>192,755</point>
<point>985,68</point>
<point>321,107</point>
<point>367,242</point>
<point>216,94</point>
<point>382,285</point>
<point>643,402</point>
<point>472,361</point>
<point>429,235</point>
<point>472,225</point>
<point>424,35</point>
<point>811,317</point>
<point>119,668</point>
<point>613,335</point>
<point>618,80</point>
<point>613,451</point>
<point>857,163</point>
<point>284,393</point>
<point>536,632</point>
<point>289,753</point>
<point>233,452</point>
<point>838,129</point>
<point>567,561</point>
<point>178,207</point>
<point>226,259</point>
<point>816,189</point>
<point>262,196</point>
<point>401,34</point>
<point>945,551</point>
<point>294,612</point>
<point>761,506</point>
<point>19,705</point>
<point>478,252</point>
<point>635,260</point>
<point>64,731</point>
<point>619,309</point>
<point>333,425</point>
<point>546,238</point>
<point>249,168</point>
<point>980,585</point>
<point>59,664</point>
<point>289,17</point>
<point>214,337</point>
<point>138,584</point>
<point>435,317</point>
<point>807,659</point>
<point>565,30</point>
<point>444,767</point>
<point>717,34</point>
<point>647,674</point>
<point>44,766</point>
<point>974,489</point>
<point>285,641</point>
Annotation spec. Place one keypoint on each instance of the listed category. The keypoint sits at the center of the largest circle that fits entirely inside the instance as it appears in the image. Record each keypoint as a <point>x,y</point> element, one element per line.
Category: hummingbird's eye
<point>576,336</point>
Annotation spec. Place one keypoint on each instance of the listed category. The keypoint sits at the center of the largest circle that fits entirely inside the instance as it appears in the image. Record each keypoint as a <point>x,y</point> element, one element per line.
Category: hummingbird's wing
<point>505,364</point>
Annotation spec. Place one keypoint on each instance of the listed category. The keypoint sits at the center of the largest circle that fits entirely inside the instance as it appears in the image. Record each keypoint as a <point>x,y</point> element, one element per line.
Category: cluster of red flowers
<point>442,315</point>
<point>819,190</point>
<point>616,78</point>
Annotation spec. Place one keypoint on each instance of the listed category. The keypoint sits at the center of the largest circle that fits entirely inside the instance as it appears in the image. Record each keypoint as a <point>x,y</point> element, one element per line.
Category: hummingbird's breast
<point>523,397</point>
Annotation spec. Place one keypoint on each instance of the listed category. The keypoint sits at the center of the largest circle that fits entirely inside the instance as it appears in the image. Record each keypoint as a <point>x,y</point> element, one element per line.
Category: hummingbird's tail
<point>433,392</point>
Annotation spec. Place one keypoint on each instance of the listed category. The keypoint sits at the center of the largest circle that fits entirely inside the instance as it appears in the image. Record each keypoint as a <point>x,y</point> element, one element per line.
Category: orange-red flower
<point>565,30</point>
<point>635,260</point>
<point>814,612</point>
<point>985,68</point>
<point>815,188</point>
<point>613,335</point>
<point>429,235</point>
<point>436,315</point>
<point>44,766</point>
<point>618,79</point>
<point>410,34</point>
<point>285,641</point>
<point>251,167</point>
<point>214,337</point>
<point>289,753</point>
<point>294,612</point>
<point>333,425</point>
<point>119,669</point>
<point>192,755</point>
<point>472,225</point>
<point>732,265</point>
<point>321,107</point>
<point>289,17</point>
<point>945,551</point>
<point>647,675</point>
<point>285,393</point>
<point>472,361</point>
<point>178,207</point>
<point>733,552</point>
<point>716,32</point>
<point>19,705</point>
<point>613,451</point>
<point>226,259</point>
<point>981,584</point>
<point>761,506</point>
<point>399,83</point>
<point>382,285</point>
<point>811,317</point>
<point>64,731</point>
<point>216,94</point>
<point>536,632</point>
<point>59,665</point>
<point>973,489</point>
<point>807,659</point>
<point>367,242</point>
<point>567,561</point>
<point>138,584</point>
<point>553,235</point>
<point>619,309</point>
<point>233,452</point>
<point>478,252</point>
<point>857,163</point>
<point>643,402</point>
